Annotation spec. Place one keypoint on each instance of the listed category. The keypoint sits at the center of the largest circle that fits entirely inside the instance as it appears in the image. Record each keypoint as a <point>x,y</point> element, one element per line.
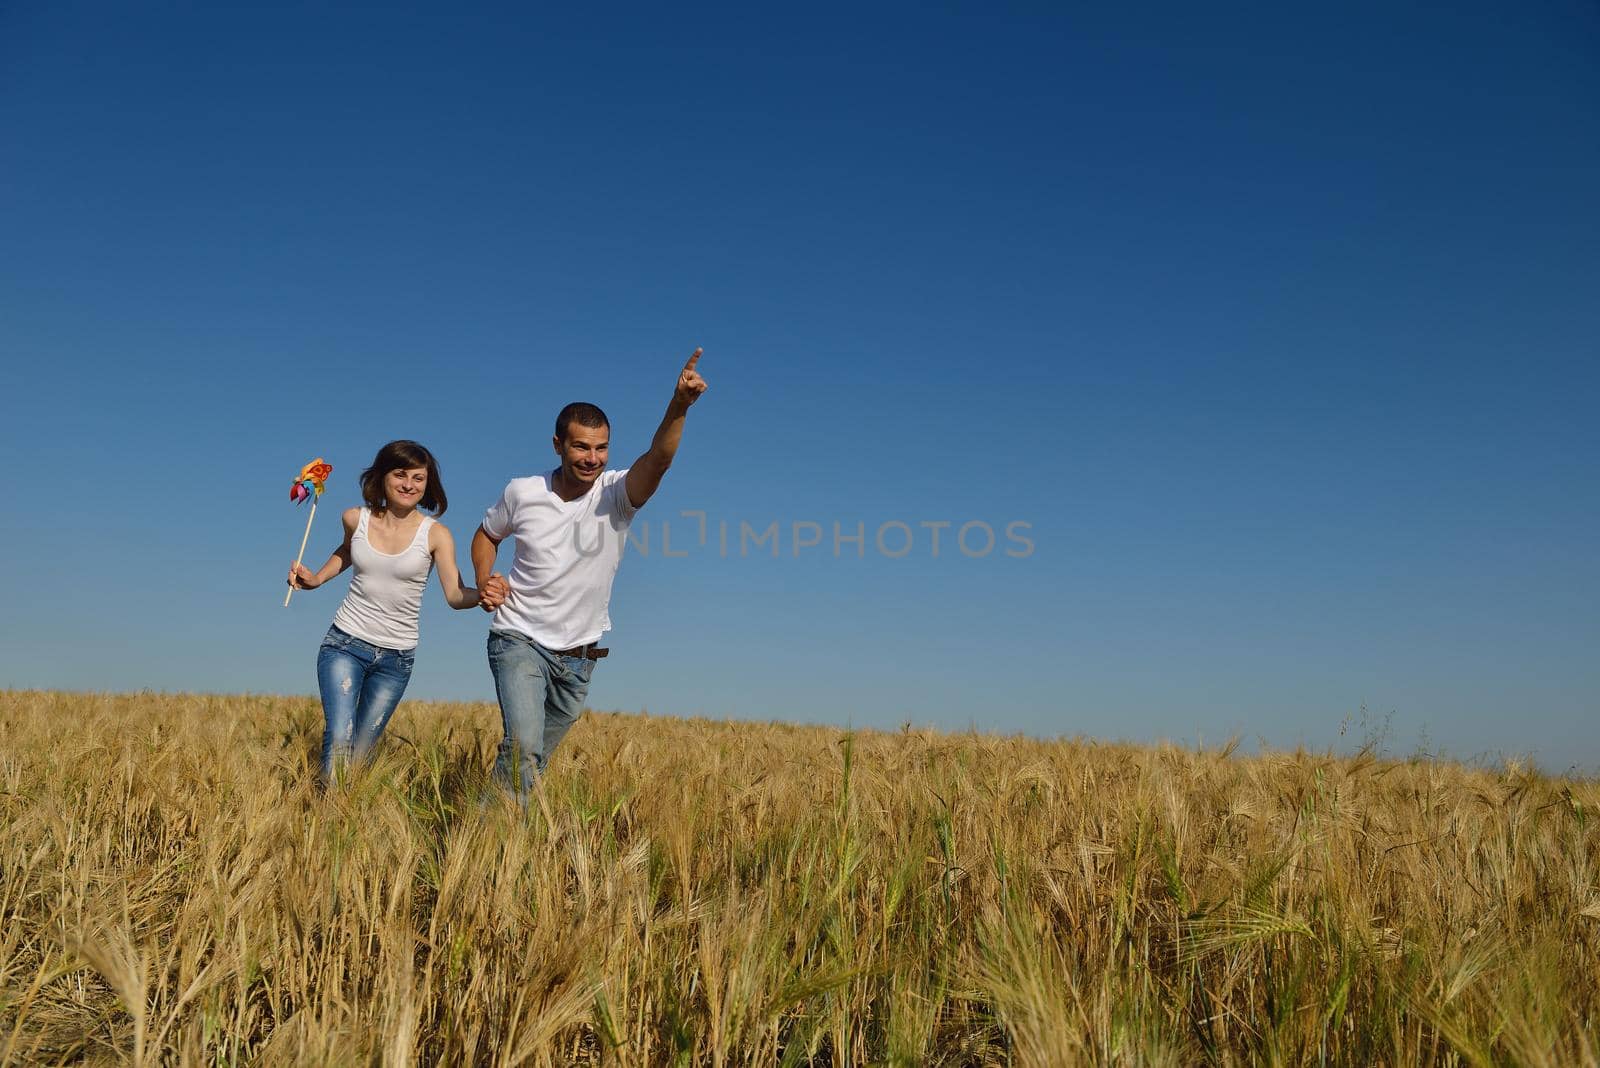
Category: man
<point>571,525</point>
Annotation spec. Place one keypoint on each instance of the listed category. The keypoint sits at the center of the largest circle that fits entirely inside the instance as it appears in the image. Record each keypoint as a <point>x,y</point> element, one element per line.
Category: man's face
<point>583,451</point>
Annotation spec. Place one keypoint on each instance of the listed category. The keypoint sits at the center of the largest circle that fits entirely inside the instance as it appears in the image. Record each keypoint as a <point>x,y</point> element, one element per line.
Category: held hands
<point>493,591</point>
<point>690,384</point>
<point>302,577</point>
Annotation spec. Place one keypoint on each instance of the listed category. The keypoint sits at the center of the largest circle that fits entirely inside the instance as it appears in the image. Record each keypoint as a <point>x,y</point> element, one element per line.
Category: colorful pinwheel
<point>313,479</point>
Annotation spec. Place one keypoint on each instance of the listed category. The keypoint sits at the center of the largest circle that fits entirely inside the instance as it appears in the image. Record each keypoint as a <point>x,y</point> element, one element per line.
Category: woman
<point>365,660</point>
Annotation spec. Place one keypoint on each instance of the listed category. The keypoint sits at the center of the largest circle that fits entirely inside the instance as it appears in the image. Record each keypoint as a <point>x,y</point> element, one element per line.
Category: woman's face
<point>404,487</point>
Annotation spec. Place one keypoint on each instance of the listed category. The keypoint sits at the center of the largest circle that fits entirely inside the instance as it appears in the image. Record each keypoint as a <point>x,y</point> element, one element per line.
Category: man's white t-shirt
<point>567,554</point>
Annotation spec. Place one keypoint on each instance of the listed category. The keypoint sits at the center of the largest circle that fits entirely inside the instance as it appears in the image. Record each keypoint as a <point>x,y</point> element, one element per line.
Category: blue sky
<point>1276,327</point>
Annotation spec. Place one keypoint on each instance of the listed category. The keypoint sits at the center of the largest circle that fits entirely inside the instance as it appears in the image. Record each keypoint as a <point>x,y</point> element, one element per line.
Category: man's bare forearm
<point>484,550</point>
<point>664,446</point>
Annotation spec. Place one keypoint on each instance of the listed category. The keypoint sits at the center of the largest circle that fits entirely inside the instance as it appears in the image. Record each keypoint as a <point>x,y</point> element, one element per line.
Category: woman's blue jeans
<point>361,684</point>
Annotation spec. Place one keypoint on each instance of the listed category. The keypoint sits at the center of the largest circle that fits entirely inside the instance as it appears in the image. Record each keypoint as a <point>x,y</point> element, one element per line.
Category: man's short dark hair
<point>582,413</point>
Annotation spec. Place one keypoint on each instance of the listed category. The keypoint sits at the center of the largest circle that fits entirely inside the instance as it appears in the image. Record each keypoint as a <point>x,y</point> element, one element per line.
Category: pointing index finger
<point>694,358</point>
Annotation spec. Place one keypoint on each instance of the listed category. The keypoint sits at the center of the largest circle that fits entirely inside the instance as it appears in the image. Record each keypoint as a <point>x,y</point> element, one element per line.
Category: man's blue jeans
<point>361,684</point>
<point>541,696</point>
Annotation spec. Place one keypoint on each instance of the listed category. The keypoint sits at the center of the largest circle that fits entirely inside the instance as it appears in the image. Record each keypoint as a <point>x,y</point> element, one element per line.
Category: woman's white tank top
<point>385,595</point>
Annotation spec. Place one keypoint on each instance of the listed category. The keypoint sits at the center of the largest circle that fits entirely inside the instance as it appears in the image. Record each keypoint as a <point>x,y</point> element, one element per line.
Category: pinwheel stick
<point>303,539</point>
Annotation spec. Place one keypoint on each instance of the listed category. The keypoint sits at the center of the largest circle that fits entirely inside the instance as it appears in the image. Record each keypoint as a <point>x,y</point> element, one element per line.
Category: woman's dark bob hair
<point>402,456</point>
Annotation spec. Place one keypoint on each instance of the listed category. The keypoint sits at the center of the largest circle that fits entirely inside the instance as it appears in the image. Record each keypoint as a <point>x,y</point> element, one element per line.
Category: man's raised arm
<point>644,477</point>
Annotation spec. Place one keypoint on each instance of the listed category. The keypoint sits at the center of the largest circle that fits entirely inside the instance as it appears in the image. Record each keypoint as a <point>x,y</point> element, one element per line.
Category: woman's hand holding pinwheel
<point>302,577</point>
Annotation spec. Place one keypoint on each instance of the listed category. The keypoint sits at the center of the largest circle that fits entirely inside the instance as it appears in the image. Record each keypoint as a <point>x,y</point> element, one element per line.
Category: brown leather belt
<point>584,652</point>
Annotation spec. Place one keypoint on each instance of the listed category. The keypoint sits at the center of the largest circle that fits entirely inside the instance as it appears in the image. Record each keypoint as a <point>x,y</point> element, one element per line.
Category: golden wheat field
<point>176,889</point>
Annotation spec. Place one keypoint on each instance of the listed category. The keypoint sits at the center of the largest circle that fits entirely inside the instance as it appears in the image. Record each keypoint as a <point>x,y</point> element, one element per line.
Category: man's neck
<point>567,487</point>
